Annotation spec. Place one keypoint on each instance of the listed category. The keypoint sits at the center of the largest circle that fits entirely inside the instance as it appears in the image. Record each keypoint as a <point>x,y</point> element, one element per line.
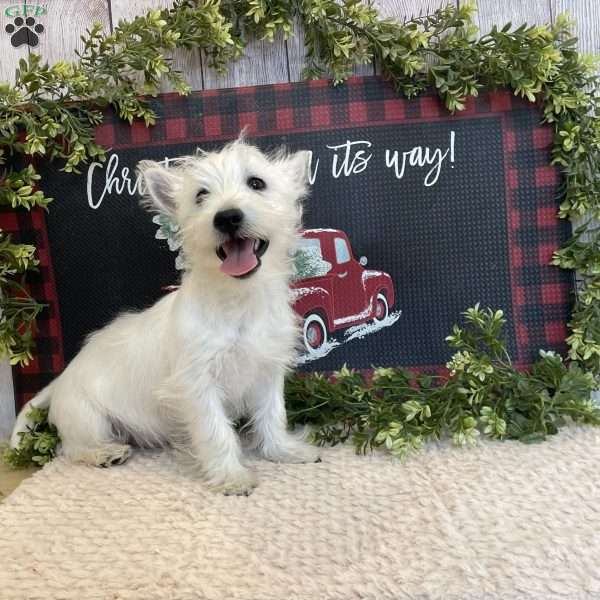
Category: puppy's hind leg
<point>86,433</point>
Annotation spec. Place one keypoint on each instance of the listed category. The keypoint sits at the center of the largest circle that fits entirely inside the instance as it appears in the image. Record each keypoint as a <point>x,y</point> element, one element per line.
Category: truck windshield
<point>308,261</point>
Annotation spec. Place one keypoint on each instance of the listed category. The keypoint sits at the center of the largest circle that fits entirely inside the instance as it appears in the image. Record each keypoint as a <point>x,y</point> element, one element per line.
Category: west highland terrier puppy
<point>217,349</point>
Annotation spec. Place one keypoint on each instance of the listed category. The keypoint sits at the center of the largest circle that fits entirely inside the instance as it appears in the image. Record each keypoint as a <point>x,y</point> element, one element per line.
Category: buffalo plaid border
<point>542,295</point>
<point>30,228</point>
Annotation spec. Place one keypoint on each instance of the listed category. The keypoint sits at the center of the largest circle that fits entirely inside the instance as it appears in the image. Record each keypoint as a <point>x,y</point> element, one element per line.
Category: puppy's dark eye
<point>256,183</point>
<point>200,195</point>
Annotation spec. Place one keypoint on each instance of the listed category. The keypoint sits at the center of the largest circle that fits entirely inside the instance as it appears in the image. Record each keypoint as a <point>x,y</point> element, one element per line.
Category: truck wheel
<point>315,332</point>
<point>382,309</point>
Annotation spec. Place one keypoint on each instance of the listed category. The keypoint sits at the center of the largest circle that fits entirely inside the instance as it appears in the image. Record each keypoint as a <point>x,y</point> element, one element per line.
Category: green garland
<point>399,411</point>
<point>484,394</point>
<point>51,112</point>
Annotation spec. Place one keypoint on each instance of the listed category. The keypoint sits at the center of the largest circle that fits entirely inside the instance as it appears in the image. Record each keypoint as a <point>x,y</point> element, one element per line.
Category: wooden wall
<point>67,20</point>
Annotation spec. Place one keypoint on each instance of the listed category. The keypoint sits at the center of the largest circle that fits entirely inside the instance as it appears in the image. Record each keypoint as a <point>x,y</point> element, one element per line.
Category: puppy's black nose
<point>228,221</point>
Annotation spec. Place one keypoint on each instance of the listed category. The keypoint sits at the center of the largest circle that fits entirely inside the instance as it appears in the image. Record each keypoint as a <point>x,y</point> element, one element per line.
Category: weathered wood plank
<point>406,9</point>
<point>587,28</point>
<point>189,62</point>
<point>9,11</point>
<point>7,400</point>
<point>11,55</point>
<point>65,25</point>
<point>402,9</point>
<point>587,18</point>
<point>517,12</point>
<point>263,62</point>
<point>296,53</point>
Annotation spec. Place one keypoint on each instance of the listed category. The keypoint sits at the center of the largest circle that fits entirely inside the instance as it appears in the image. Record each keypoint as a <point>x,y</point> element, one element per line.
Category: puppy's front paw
<point>239,484</point>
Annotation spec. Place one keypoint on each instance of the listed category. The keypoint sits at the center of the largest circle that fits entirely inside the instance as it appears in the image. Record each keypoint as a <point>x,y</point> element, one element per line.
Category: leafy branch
<point>38,445</point>
<point>484,395</point>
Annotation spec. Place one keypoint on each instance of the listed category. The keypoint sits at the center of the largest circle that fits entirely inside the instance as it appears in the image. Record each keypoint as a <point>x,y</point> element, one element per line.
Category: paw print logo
<point>24,32</point>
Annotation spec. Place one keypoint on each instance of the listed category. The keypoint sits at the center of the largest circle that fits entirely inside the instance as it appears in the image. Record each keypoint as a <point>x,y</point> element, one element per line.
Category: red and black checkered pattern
<point>30,228</point>
<point>542,299</point>
<point>541,296</point>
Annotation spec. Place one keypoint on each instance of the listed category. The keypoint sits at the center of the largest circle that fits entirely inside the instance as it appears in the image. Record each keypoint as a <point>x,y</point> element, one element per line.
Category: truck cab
<point>333,290</point>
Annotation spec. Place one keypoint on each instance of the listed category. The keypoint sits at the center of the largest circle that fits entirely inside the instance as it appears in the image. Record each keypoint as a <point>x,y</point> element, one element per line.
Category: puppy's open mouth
<point>241,256</point>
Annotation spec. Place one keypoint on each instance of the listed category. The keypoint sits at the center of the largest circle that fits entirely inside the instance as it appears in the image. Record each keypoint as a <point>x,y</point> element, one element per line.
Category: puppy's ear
<point>298,165</point>
<point>161,185</point>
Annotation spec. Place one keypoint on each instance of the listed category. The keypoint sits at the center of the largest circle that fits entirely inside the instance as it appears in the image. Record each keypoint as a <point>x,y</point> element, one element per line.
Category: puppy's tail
<point>42,400</point>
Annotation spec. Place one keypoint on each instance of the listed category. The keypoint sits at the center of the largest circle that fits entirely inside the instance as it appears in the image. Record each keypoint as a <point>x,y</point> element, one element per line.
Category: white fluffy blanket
<point>499,521</point>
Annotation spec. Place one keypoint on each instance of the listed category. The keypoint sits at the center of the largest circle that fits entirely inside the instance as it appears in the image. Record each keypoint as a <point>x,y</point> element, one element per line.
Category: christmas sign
<point>414,215</point>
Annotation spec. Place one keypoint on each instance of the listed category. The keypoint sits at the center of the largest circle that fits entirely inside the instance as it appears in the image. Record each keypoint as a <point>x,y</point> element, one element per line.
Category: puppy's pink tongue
<point>240,258</point>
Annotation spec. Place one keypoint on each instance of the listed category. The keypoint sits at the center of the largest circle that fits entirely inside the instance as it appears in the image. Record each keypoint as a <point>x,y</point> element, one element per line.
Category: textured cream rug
<point>502,520</point>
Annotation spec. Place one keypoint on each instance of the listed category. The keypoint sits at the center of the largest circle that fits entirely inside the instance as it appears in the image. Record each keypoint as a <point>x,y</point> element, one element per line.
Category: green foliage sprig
<point>51,112</point>
<point>484,395</point>
<point>18,310</point>
<point>38,444</point>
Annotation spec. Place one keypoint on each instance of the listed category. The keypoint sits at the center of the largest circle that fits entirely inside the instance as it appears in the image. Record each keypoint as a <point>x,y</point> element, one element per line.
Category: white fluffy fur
<point>181,371</point>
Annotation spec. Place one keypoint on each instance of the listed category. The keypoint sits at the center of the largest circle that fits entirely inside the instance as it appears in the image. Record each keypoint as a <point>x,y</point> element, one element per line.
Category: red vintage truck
<point>333,290</point>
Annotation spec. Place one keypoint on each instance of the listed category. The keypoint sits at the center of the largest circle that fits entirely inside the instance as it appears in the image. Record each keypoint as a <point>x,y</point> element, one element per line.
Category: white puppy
<point>216,349</point>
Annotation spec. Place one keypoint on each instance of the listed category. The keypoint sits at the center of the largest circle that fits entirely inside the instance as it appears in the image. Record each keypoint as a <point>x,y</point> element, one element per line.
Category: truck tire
<point>315,332</point>
<point>382,310</point>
